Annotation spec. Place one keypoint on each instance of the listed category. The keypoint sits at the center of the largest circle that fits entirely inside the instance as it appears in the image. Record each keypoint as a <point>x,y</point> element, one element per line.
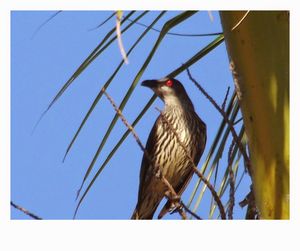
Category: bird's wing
<point>146,173</point>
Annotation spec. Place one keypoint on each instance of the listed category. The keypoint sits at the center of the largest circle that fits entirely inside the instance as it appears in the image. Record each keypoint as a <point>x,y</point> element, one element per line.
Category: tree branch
<point>230,125</point>
<point>25,211</point>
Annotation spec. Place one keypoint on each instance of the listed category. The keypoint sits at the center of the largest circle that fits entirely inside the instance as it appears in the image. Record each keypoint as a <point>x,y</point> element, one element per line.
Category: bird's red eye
<point>169,83</point>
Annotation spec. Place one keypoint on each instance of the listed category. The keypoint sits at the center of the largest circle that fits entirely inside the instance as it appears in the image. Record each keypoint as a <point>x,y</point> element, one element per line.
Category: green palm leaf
<point>225,180</point>
<point>99,95</point>
<point>213,147</point>
<point>95,53</point>
<point>219,151</point>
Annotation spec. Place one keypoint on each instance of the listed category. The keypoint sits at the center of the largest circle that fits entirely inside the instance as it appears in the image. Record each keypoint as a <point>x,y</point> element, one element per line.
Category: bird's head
<point>170,90</point>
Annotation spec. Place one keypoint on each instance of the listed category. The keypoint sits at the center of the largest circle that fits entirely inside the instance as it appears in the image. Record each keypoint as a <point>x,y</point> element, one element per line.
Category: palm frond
<point>94,54</point>
<point>213,147</point>
<point>100,93</point>
<point>105,21</point>
<point>219,151</point>
<point>225,180</point>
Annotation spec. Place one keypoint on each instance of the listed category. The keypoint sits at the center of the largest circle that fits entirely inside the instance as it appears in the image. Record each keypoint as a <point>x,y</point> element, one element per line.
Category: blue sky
<point>40,65</point>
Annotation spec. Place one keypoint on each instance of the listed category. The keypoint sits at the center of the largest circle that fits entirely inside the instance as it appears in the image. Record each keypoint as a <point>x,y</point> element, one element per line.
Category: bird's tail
<point>138,216</point>
<point>141,213</point>
<point>135,215</point>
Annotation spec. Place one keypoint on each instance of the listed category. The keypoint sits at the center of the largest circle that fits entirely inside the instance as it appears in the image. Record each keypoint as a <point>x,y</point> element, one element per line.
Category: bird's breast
<point>176,136</point>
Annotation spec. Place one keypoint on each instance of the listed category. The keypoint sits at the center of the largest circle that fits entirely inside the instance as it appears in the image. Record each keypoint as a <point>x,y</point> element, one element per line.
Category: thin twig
<point>44,23</point>
<point>200,175</point>
<point>179,34</point>
<point>231,182</point>
<point>237,121</point>
<point>241,20</point>
<point>191,212</point>
<point>103,22</point>
<point>174,198</point>
<point>25,211</point>
<point>219,109</point>
<point>225,99</point>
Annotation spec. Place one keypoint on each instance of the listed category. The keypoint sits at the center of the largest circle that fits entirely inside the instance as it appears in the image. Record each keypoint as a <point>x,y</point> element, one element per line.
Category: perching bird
<point>165,150</point>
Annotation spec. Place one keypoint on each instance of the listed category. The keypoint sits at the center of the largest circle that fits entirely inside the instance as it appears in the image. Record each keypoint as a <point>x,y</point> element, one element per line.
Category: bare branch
<point>25,211</point>
<point>231,182</point>
<point>230,125</point>
<point>191,212</point>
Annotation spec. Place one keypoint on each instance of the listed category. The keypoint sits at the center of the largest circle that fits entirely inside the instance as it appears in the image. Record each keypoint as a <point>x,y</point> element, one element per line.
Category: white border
<point>88,235</point>
<point>146,5</point>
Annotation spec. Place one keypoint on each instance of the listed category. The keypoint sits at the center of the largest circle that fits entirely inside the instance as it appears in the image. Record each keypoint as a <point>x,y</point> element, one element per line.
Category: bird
<point>164,148</point>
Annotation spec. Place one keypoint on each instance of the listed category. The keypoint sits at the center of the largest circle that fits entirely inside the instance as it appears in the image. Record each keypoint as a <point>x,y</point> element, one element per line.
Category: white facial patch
<point>171,100</point>
<point>165,88</point>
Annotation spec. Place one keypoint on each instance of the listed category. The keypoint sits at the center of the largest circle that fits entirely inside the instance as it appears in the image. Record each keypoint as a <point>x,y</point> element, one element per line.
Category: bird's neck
<point>174,103</point>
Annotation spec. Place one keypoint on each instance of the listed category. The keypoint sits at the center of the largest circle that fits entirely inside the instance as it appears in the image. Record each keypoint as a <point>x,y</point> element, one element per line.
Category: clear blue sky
<point>40,65</point>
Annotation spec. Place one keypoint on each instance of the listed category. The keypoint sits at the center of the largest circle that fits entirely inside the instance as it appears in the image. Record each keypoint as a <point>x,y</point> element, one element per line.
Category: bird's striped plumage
<point>167,153</point>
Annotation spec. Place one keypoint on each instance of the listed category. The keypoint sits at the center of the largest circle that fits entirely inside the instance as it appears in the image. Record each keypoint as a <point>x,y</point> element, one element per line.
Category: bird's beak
<point>150,83</point>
